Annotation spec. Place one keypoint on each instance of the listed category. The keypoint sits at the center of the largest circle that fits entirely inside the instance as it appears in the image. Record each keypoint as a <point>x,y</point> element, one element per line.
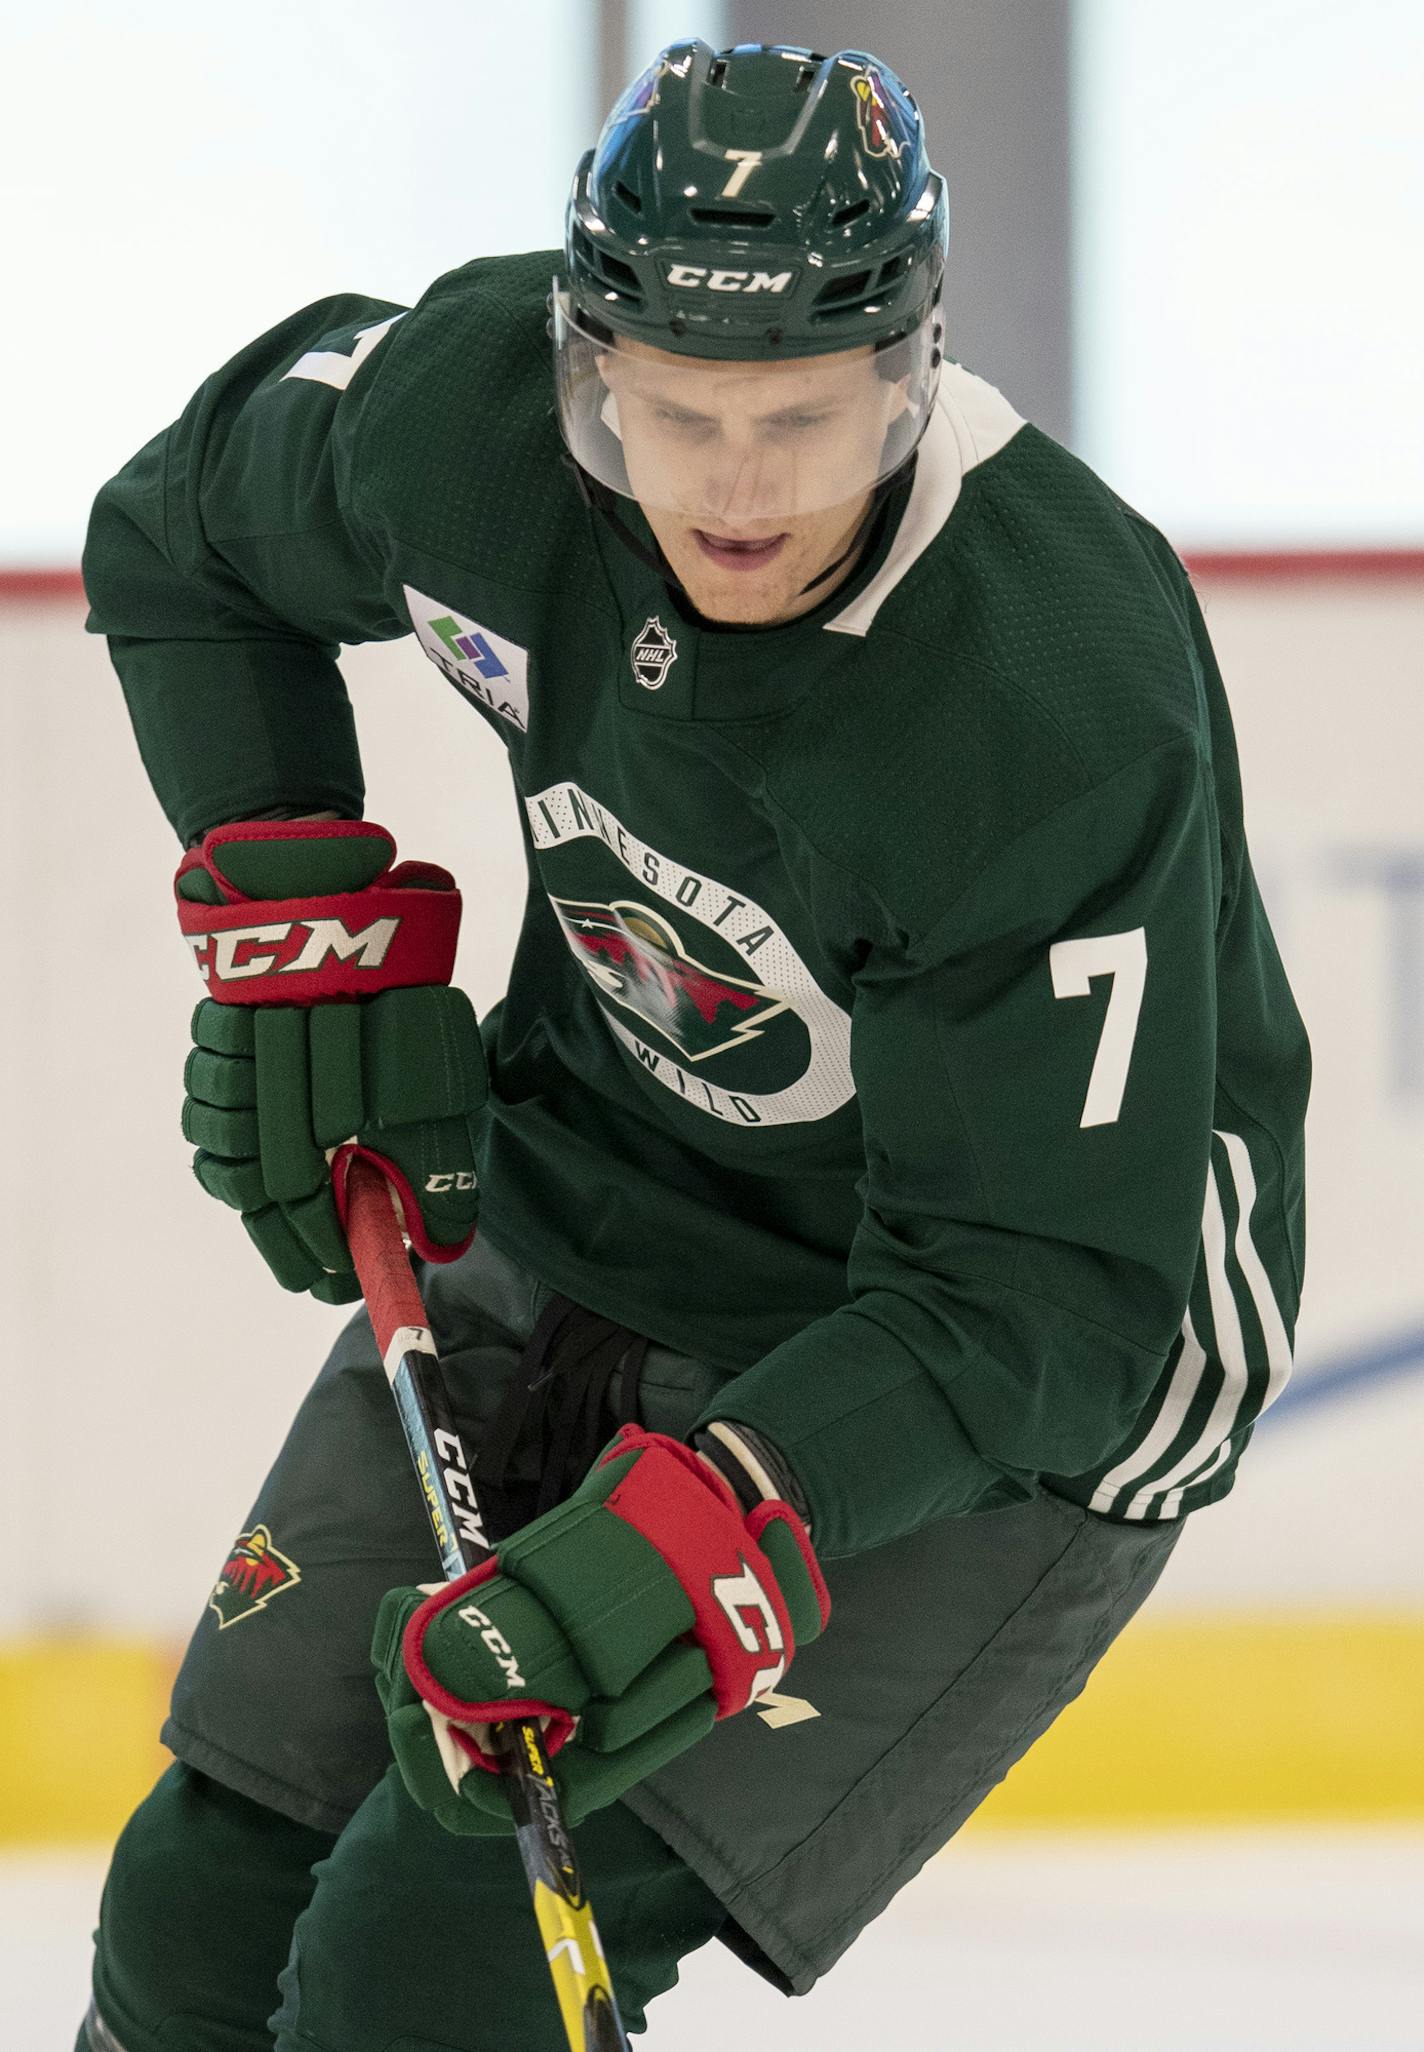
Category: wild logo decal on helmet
<point>770,1048</point>
<point>872,115</point>
<point>254,1572</point>
<point>642,94</point>
<point>636,957</point>
<point>653,654</point>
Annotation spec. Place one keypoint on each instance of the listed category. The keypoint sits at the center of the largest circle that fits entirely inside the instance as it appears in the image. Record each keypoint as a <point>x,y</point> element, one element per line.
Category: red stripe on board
<point>1298,564</point>
<point>41,584</point>
<point>1225,563</point>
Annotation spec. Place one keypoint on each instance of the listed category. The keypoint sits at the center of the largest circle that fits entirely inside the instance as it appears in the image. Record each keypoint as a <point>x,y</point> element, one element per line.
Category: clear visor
<point>739,442</point>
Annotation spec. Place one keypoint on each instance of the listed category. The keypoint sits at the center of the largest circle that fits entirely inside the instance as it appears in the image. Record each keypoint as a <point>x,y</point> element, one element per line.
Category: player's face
<point>742,470</point>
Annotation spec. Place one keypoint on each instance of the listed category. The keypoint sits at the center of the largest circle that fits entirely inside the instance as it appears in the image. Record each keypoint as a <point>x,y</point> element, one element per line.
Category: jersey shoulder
<point>460,454</point>
<point>1043,576</point>
<point>1026,637</point>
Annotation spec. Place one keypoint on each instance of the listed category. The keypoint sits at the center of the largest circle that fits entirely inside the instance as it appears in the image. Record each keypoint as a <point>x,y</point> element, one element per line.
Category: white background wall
<point>149,1362</point>
<point>1248,203</point>
<point>174,179</point>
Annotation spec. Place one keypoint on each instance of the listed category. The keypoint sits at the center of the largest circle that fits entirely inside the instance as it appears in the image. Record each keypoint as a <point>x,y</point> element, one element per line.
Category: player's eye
<point>802,423</point>
<point>680,417</point>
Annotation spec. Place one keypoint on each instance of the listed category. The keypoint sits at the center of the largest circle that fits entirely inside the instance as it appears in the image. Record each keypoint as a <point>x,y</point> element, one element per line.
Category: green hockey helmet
<point>759,211</point>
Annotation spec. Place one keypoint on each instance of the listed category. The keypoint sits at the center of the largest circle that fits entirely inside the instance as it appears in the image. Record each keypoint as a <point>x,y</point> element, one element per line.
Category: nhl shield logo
<point>254,1572</point>
<point>653,654</point>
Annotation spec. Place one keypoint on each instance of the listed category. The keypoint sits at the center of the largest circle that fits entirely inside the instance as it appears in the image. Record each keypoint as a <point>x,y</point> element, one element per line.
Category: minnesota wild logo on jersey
<point>636,957</point>
<point>254,1572</point>
<point>648,963</point>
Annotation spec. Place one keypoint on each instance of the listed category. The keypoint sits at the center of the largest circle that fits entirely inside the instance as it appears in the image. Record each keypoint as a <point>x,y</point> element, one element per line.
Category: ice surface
<point>1295,1941</point>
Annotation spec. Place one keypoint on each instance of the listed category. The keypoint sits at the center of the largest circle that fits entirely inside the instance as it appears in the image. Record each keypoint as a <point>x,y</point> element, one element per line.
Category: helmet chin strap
<point>857,541</point>
<point>601,498</point>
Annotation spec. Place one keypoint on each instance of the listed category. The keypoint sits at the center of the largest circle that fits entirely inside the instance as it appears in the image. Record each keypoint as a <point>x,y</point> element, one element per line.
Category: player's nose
<point>748,483</point>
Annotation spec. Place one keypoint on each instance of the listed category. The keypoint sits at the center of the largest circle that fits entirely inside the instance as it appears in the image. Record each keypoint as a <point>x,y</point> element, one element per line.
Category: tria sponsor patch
<point>255,1571</point>
<point>653,654</point>
<point>491,671</point>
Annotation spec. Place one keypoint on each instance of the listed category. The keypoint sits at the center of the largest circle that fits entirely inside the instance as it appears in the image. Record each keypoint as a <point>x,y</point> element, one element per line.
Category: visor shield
<point>738,441</point>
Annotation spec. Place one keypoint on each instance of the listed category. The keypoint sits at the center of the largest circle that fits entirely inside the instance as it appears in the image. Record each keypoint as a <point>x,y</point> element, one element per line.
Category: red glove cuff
<point>741,1620</point>
<point>401,930</point>
<point>511,1708</point>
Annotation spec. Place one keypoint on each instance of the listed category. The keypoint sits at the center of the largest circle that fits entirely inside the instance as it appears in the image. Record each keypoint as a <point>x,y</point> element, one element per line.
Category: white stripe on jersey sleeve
<point>1230,1352</point>
<point>1278,1346</point>
<point>1172,1501</point>
<point>1186,1380</point>
<point>1213,1444</point>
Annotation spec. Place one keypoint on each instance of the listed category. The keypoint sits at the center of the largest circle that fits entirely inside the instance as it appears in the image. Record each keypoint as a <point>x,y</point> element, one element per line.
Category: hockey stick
<point>565,1918</point>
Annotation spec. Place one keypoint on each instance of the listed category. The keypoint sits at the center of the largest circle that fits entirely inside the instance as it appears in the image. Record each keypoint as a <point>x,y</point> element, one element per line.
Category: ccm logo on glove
<point>292,911</point>
<point>738,1594</point>
<point>306,943</point>
<point>497,1643</point>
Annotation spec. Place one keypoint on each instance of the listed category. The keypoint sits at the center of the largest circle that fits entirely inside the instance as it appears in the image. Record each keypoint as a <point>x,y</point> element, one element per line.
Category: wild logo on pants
<point>254,1572</point>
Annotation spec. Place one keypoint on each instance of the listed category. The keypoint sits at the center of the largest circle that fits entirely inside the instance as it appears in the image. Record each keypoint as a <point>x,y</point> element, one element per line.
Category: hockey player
<point>888,1150</point>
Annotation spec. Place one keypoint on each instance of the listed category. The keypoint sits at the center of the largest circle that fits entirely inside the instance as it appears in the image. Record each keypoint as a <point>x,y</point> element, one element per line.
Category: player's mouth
<point>734,552</point>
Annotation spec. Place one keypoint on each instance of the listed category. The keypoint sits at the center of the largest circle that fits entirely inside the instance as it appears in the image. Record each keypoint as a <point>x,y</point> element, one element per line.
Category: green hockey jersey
<point>894,1021</point>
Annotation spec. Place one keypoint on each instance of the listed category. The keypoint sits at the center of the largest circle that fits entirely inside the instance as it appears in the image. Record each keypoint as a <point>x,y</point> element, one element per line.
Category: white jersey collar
<point>971,422</point>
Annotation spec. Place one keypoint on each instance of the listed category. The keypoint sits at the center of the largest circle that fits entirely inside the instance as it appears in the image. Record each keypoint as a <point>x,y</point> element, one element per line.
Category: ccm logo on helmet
<point>698,276</point>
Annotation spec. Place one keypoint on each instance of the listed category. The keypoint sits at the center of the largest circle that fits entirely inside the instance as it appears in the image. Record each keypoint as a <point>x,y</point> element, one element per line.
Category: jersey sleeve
<point>1036,1083</point>
<point>227,561</point>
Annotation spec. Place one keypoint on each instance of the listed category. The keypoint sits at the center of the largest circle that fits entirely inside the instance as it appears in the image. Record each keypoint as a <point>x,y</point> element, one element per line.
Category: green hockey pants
<point>407,1939</point>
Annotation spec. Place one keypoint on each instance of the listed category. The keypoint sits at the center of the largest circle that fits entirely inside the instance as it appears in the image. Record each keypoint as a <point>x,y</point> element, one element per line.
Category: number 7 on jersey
<point>1073,964</point>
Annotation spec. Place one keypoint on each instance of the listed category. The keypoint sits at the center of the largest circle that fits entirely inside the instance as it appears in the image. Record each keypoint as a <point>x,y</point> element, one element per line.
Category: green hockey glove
<point>330,1018</point>
<point>628,1619</point>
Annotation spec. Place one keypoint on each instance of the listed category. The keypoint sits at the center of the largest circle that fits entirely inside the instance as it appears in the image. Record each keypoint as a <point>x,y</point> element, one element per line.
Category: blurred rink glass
<point>1221,1849</point>
<point>176,179</point>
<point>1248,225</point>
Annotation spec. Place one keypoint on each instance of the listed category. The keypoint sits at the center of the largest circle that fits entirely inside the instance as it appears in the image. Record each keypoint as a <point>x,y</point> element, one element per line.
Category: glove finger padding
<point>632,1616</point>
<point>288,1256</point>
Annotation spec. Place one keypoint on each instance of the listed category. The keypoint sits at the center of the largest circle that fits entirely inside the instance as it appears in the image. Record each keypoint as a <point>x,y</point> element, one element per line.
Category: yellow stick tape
<point>79,1721</point>
<point>1191,1720</point>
